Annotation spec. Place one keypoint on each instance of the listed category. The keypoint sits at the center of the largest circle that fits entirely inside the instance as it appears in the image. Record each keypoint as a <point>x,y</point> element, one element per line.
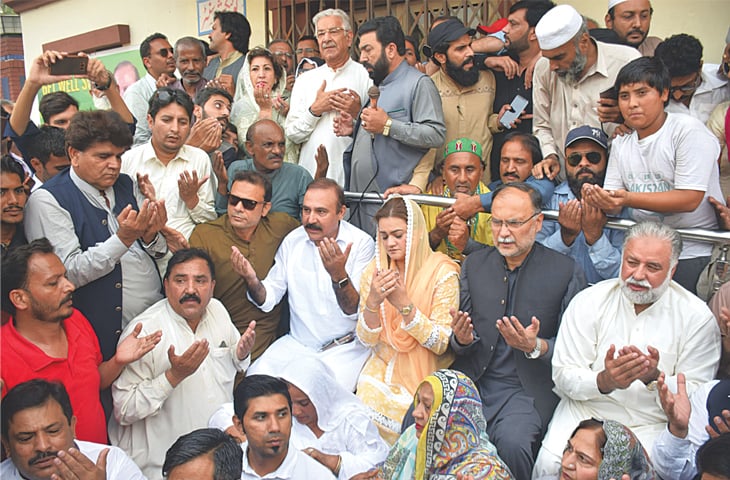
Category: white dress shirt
<point>304,128</point>
<point>150,412</point>
<point>118,465</point>
<point>679,325</point>
<point>713,90</point>
<point>296,466</point>
<point>137,97</point>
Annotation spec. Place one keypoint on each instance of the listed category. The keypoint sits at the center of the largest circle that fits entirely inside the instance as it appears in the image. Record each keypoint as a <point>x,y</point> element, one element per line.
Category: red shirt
<point>21,360</point>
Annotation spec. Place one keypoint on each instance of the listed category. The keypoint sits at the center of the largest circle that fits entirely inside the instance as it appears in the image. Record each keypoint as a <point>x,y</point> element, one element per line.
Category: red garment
<point>21,360</point>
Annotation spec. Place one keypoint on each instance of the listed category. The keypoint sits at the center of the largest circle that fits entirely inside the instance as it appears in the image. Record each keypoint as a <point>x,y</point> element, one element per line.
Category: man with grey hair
<point>318,97</point>
<point>618,336</point>
<point>190,63</point>
<point>568,81</point>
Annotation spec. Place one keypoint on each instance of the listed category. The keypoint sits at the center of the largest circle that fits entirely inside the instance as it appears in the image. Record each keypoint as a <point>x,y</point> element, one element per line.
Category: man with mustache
<point>46,337</point>
<point>462,173</point>
<point>618,336</point>
<point>176,389</point>
<point>631,19</point>
<point>252,227</point>
<point>13,195</point>
<point>579,231</point>
<point>318,266</point>
<point>168,169</point>
<point>395,132</point>
<point>158,59</point>
<point>568,81</point>
<point>39,427</point>
<point>525,286</point>
<point>266,143</point>
<point>190,63</point>
<point>263,406</point>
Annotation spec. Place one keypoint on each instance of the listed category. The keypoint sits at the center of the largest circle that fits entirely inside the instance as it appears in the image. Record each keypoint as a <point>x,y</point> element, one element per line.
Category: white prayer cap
<point>613,3</point>
<point>558,26</point>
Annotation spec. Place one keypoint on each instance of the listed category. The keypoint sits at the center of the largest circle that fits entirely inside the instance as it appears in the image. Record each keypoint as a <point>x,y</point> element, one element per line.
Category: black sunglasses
<point>167,95</point>
<point>247,204</point>
<point>164,52</point>
<point>575,158</point>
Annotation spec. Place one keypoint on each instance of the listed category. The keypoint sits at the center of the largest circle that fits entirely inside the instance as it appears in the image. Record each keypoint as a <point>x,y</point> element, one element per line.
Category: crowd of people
<point>187,292</point>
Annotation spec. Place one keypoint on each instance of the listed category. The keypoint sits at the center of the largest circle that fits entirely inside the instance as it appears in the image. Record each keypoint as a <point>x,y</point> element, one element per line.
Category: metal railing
<point>710,236</point>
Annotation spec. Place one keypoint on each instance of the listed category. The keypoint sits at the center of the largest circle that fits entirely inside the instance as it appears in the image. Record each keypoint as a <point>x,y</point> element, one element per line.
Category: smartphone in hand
<point>70,65</point>
<point>518,105</point>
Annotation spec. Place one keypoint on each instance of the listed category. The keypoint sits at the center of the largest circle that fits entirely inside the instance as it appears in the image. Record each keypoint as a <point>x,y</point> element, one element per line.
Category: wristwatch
<point>339,285</point>
<point>386,128</point>
<point>536,352</point>
<point>406,310</point>
<point>108,84</point>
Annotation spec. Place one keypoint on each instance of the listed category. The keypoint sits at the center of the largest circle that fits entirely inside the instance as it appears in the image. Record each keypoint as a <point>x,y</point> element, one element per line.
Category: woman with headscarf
<point>330,423</point>
<point>449,437</point>
<point>261,94</point>
<point>406,293</point>
<point>604,450</point>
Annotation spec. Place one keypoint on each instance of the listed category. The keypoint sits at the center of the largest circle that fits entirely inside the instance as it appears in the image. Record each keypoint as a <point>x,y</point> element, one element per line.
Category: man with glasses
<point>266,143</point>
<point>251,227</point>
<point>340,85</point>
<point>168,169</point>
<point>526,286</point>
<point>579,231</point>
<point>284,55</point>
<point>307,47</point>
<point>665,169</point>
<point>696,89</point>
<point>158,59</point>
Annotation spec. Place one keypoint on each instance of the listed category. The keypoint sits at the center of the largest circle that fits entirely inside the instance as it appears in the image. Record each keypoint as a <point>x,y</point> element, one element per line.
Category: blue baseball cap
<point>587,133</point>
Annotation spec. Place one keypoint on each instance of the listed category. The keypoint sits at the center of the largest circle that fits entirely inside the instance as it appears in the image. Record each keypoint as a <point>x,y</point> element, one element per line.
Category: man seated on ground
<point>176,388</point>
<point>203,454</point>
<point>696,89</point>
<point>579,231</point>
<point>323,260</point>
<point>105,239</point>
<point>47,155</point>
<point>526,287</point>
<point>331,424</point>
<point>178,173</point>
<point>520,153</point>
<point>266,143</point>
<point>463,167</point>
<point>57,108</point>
<point>618,336</point>
<point>47,338</point>
<point>253,229</point>
<point>38,433</point>
<point>692,420</point>
<point>13,195</point>
<point>264,408</point>
<point>665,169</point>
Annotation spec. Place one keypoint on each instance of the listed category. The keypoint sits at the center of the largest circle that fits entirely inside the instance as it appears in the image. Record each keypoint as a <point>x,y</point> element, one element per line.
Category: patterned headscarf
<point>623,453</point>
<point>455,439</point>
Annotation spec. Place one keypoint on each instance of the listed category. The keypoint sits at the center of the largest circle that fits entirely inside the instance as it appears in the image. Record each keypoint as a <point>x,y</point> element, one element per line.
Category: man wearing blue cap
<point>579,231</point>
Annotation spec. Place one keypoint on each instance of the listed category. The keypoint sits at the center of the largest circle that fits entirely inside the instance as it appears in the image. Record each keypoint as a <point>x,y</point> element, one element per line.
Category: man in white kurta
<point>318,289</point>
<point>318,94</point>
<point>674,332</point>
<point>156,399</point>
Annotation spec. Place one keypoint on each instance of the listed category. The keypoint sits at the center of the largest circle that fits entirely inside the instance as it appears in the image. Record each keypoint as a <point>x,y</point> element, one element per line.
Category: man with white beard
<point>619,335</point>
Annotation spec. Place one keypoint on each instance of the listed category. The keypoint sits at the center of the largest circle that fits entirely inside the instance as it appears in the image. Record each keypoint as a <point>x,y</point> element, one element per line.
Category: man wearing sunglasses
<point>158,59</point>
<point>579,231</point>
<point>696,89</point>
<point>525,286</point>
<point>250,227</point>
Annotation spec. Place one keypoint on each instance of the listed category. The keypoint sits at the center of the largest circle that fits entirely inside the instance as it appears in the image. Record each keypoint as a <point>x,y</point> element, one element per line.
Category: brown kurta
<point>216,238</point>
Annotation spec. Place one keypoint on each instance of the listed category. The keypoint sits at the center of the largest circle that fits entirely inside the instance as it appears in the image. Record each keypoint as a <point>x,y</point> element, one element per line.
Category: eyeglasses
<point>332,31</point>
<point>299,51</point>
<point>575,158</point>
<point>688,88</point>
<point>165,52</point>
<point>512,224</point>
<point>247,204</point>
<point>167,95</point>
<point>283,54</point>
